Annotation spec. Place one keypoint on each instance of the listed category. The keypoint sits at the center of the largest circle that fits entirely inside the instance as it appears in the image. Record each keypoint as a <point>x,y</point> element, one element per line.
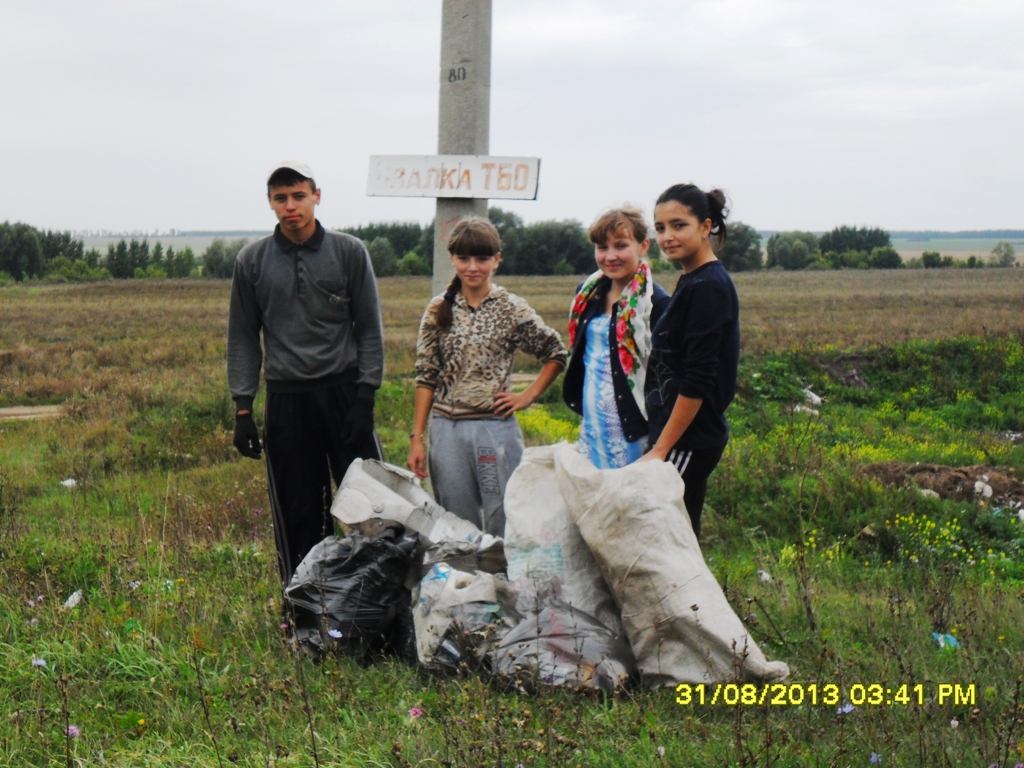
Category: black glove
<point>247,436</point>
<point>358,427</point>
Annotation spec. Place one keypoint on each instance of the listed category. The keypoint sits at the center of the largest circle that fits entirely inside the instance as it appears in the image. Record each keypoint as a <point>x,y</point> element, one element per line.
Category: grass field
<point>175,655</point>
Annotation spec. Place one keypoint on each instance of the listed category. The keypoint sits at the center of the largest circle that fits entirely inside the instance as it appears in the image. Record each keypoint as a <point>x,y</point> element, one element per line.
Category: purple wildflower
<point>37,662</point>
<point>334,633</point>
<point>415,712</point>
<point>845,709</point>
<point>875,759</point>
<point>72,731</point>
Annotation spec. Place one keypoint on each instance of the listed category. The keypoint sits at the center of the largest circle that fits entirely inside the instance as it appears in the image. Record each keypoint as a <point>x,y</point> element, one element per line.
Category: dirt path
<point>29,412</point>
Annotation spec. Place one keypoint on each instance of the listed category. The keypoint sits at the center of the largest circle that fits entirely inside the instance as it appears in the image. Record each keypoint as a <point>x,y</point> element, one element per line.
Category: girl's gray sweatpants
<point>471,461</point>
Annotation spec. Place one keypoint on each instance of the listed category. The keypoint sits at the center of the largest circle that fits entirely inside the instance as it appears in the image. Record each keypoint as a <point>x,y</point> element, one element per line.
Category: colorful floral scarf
<point>632,326</point>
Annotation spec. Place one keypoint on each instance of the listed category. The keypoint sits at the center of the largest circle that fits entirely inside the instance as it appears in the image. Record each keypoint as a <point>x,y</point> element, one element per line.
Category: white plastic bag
<point>546,555</point>
<point>373,491</point>
<point>459,616</point>
<point>678,622</point>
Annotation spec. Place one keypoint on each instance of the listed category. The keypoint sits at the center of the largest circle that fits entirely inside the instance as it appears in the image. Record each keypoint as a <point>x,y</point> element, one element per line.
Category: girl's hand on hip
<point>417,460</point>
<point>507,403</point>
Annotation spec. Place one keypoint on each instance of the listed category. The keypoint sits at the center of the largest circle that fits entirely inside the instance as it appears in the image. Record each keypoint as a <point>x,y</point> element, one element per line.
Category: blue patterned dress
<point>601,437</point>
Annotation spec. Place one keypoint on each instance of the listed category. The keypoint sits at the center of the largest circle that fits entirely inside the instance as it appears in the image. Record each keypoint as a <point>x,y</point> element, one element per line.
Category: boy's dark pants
<point>305,444</point>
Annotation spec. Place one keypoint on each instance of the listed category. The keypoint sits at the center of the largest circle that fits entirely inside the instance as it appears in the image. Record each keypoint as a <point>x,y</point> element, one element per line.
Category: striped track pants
<point>695,467</point>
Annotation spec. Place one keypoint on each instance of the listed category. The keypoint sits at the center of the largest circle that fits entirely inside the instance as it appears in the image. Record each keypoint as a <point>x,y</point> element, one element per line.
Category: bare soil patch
<point>958,483</point>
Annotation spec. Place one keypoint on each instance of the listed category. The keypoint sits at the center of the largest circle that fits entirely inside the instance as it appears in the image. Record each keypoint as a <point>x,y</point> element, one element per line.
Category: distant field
<point>958,247</point>
<point>58,340</point>
<point>856,308</point>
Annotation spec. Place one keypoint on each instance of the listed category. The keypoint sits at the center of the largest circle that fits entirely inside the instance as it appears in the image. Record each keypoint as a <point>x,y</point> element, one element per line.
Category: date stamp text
<point>829,695</point>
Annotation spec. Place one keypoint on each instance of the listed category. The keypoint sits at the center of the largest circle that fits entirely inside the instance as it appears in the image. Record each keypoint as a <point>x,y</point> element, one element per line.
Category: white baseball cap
<point>293,165</point>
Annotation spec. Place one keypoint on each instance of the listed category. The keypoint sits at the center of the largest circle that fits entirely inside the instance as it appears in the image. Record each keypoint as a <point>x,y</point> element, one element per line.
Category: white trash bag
<point>678,622</point>
<point>373,492</point>
<point>547,557</point>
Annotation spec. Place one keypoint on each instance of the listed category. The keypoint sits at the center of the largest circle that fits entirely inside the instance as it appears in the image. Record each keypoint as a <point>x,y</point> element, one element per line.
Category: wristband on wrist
<point>415,434</point>
<point>242,413</point>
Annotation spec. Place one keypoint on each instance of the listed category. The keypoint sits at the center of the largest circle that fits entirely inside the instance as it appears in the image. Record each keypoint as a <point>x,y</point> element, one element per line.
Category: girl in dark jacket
<point>696,343</point>
<point>610,340</point>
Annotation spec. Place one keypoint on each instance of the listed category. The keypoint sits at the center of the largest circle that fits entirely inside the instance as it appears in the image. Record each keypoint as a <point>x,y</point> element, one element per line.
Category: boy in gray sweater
<point>312,296</point>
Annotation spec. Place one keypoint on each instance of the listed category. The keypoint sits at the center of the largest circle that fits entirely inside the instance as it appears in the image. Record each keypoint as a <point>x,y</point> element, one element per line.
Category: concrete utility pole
<point>464,117</point>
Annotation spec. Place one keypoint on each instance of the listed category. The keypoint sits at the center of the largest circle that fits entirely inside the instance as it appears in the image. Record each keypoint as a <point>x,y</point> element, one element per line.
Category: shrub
<point>792,250</point>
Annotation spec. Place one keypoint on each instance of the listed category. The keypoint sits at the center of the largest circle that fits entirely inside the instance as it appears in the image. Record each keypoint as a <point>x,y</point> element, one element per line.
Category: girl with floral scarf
<point>610,341</point>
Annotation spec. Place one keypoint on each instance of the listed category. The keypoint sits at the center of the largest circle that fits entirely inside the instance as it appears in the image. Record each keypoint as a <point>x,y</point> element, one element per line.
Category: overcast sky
<point>153,114</point>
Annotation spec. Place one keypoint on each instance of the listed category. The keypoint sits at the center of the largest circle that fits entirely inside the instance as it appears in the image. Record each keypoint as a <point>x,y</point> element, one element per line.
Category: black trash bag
<point>563,646</point>
<point>402,639</point>
<point>347,594</point>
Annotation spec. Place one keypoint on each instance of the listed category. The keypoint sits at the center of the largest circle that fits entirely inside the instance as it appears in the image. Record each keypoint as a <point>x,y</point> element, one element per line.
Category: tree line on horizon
<point>848,247</point>
<point>406,248</point>
<point>540,248</point>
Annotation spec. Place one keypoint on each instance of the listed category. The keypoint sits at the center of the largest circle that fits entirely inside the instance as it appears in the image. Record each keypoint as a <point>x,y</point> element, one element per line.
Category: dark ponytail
<point>704,205</point>
<point>443,314</point>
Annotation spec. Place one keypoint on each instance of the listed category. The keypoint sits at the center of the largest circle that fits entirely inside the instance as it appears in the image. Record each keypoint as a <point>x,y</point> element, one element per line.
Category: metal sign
<point>471,176</point>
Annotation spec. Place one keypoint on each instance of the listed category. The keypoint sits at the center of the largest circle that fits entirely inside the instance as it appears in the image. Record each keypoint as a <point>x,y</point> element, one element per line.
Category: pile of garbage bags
<point>599,581</point>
